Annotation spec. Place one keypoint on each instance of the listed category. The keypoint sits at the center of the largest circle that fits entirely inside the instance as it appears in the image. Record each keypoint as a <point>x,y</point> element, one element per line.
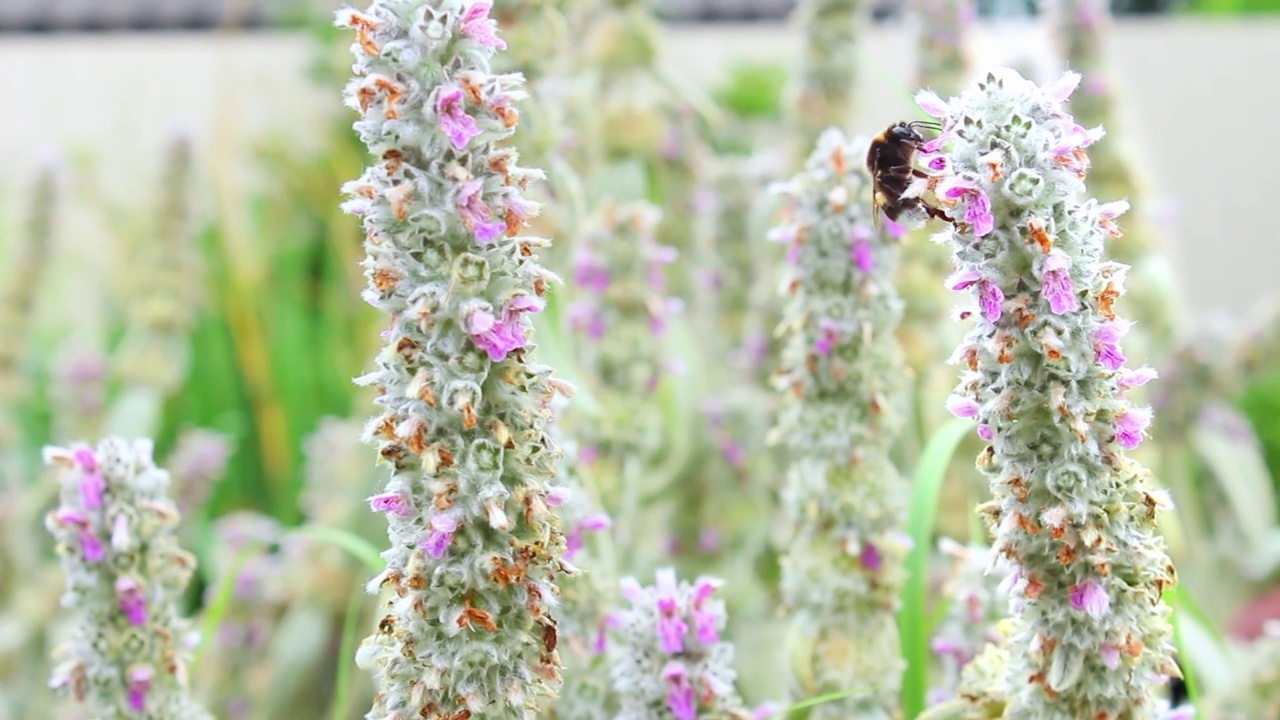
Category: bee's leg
<point>936,213</point>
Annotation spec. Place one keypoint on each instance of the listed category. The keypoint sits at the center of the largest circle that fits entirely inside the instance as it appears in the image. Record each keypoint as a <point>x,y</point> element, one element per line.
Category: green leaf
<point>1207,666</point>
<point>358,547</point>
<point>342,679</point>
<point>1240,470</point>
<point>913,624</point>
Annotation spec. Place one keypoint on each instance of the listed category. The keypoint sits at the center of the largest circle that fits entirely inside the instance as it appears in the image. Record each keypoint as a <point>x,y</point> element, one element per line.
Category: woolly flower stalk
<point>125,575</point>
<point>1045,379</point>
<point>475,546</point>
<point>162,297</point>
<point>842,409</point>
<point>975,606</point>
<point>19,284</point>
<point>824,95</point>
<point>622,312</point>
<point>670,662</point>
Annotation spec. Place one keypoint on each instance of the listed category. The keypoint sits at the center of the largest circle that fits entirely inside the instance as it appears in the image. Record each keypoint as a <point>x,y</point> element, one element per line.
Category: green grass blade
<point>810,702</point>
<point>358,547</point>
<point>346,655</point>
<point>913,623</point>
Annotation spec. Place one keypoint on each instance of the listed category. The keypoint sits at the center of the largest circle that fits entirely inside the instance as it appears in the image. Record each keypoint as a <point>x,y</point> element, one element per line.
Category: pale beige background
<point>1202,99</point>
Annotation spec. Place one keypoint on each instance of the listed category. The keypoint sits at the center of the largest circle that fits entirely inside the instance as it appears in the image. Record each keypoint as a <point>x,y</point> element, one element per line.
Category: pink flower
<point>930,102</point>
<point>826,342</point>
<point>704,621</point>
<point>140,677</point>
<point>1059,90</point>
<point>92,484</point>
<point>390,503</point>
<point>977,206</point>
<point>861,250</point>
<point>590,273</point>
<point>680,696</point>
<point>1106,343</point>
<point>870,557</point>
<point>1091,598</point>
<point>1135,378</point>
<point>1070,152</point>
<point>519,211</point>
<point>500,336</point>
<point>671,627</point>
<point>991,300</point>
<point>963,407</point>
<point>895,230</point>
<point>1110,656</point>
<point>476,216</point>
<point>133,603</point>
<point>962,279</point>
<point>1108,212</point>
<point>453,117</point>
<point>631,589</point>
<point>1130,426</point>
<point>1055,283</point>
<point>443,526</point>
<point>986,433</point>
<point>477,25</point>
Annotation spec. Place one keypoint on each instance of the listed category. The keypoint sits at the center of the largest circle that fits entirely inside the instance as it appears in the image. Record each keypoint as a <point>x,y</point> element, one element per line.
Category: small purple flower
<point>977,206</point>
<point>991,300</point>
<point>454,120</point>
<point>559,495</point>
<point>1108,212</point>
<point>1130,426</point>
<point>443,526</point>
<point>870,557</point>
<point>1110,656</point>
<point>476,216</point>
<point>500,336</point>
<point>930,102</point>
<point>1106,343</point>
<point>1055,283</point>
<point>895,230</point>
<point>133,603</point>
<point>477,25</point>
<point>1059,90</point>
<point>92,484</point>
<point>704,620</point>
<point>671,627</point>
<point>1136,378</point>
<point>1090,597</point>
<point>140,677</point>
<point>826,342</point>
<point>963,407</point>
<point>631,589</point>
<point>680,696</point>
<point>591,273</point>
<point>393,503</point>
<point>962,279</point>
<point>986,433</point>
<point>861,252</point>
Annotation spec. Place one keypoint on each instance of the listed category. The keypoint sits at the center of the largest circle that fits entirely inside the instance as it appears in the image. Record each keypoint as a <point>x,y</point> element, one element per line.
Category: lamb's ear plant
<point>1044,376</point>
<point>128,654</point>
<point>842,407</point>
<point>468,629</point>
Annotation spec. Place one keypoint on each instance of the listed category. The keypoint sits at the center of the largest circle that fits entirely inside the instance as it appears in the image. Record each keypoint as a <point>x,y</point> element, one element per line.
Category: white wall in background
<point>1194,117</point>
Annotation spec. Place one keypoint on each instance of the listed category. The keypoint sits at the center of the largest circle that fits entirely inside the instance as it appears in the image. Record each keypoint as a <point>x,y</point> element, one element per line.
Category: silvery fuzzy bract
<point>468,629</point>
<point>841,412</point>
<point>1044,376</point>
<point>669,661</point>
<point>125,576</point>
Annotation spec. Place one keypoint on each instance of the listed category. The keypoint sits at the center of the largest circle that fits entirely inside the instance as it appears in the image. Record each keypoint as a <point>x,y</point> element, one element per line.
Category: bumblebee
<point>891,162</point>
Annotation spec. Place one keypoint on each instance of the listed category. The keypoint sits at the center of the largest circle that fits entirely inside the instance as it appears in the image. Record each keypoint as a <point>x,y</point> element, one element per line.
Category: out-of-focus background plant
<point>174,265</point>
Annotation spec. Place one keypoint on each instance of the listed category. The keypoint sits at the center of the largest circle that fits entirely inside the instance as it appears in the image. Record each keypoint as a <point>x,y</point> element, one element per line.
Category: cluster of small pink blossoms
<point>476,546</point>
<point>671,663</point>
<point>125,574</point>
<point>1045,378</point>
<point>839,416</point>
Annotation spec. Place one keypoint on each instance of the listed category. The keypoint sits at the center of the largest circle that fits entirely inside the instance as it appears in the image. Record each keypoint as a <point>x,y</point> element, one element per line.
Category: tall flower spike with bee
<point>476,547</point>
<point>1044,376</point>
